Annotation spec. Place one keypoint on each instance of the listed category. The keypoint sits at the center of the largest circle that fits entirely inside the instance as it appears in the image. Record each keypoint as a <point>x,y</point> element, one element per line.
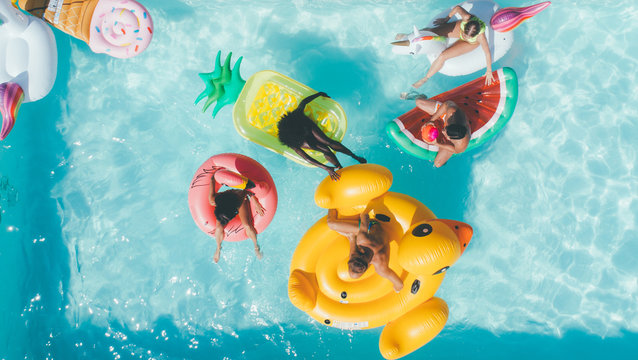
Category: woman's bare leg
<point>427,105</point>
<point>329,155</point>
<point>335,145</point>
<point>217,251</point>
<point>246,218</point>
<point>219,237</point>
<point>446,29</point>
<point>458,48</point>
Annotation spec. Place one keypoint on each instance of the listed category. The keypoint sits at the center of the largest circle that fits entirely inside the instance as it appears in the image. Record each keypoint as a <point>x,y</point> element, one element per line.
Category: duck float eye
<point>422,230</point>
<point>442,270</point>
<point>416,285</point>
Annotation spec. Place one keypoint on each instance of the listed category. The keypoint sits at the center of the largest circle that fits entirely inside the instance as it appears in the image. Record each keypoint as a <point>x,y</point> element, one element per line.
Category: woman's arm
<point>211,191</point>
<point>255,204</point>
<point>461,12</point>
<point>489,78</point>
<point>447,147</point>
<point>304,102</point>
<point>384,270</point>
<point>342,226</point>
<point>364,220</point>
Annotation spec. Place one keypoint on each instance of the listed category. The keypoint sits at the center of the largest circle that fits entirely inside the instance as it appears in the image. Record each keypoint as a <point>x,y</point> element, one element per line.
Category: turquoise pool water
<point>100,259</point>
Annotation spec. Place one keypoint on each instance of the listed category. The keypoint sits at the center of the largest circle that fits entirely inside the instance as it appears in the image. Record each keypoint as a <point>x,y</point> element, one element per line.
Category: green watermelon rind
<point>394,132</point>
<point>511,98</point>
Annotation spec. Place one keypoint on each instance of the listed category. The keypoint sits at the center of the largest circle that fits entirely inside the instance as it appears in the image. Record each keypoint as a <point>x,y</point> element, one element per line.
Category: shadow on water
<point>345,76</point>
<point>41,260</point>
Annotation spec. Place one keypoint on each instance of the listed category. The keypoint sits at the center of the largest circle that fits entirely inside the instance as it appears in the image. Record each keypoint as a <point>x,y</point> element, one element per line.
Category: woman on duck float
<point>410,243</point>
<point>369,245</point>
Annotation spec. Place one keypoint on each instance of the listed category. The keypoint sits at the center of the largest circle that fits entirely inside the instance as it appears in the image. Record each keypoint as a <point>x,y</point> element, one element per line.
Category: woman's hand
<point>433,142</point>
<point>333,175</point>
<point>489,78</point>
<point>259,209</point>
<point>441,21</point>
<point>212,174</point>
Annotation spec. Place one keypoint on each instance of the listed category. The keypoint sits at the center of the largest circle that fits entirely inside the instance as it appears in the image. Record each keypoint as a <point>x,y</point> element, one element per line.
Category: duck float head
<point>422,248</point>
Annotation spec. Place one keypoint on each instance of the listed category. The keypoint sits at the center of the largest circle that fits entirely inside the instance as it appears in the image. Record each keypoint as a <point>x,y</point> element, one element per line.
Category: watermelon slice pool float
<point>488,109</point>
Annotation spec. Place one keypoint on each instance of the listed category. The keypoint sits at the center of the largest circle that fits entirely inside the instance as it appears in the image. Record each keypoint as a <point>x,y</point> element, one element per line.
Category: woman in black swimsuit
<point>299,132</point>
<point>231,203</point>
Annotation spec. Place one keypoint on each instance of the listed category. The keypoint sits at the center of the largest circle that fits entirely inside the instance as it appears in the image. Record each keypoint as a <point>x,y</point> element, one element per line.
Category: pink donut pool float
<point>241,166</point>
<point>120,28</point>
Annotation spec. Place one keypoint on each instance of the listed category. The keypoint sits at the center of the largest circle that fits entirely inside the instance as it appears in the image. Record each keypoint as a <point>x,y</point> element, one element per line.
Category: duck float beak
<point>462,230</point>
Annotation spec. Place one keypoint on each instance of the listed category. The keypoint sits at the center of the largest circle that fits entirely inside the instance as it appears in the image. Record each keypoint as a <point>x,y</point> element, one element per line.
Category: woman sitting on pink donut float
<point>234,214</point>
<point>231,203</point>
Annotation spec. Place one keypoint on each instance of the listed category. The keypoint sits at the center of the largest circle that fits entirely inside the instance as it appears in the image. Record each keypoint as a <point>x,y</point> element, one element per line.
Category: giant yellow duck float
<point>422,248</point>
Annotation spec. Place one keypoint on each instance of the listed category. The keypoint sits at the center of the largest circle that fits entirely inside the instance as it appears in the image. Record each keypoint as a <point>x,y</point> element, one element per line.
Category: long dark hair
<point>455,131</point>
<point>294,128</point>
<point>226,206</point>
<point>360,260</point>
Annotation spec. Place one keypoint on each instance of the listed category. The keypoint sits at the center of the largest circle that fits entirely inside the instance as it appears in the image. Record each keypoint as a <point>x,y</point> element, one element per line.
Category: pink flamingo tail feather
<point>11,96</point>
<point>509,18</point>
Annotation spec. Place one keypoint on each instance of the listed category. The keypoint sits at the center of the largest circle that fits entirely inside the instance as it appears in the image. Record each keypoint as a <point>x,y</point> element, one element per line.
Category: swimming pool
<point>101,259</point>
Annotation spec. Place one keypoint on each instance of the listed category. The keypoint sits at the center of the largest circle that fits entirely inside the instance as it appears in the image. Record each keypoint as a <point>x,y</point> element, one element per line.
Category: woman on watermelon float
<point>231,203</point>
<point>455,129</point>
<point>470,31</point>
